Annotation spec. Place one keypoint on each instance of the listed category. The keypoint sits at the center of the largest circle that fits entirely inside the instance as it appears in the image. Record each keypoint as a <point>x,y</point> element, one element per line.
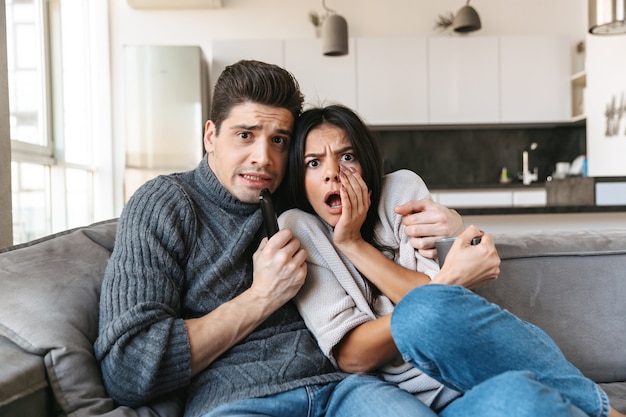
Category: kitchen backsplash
<point>462,158</point>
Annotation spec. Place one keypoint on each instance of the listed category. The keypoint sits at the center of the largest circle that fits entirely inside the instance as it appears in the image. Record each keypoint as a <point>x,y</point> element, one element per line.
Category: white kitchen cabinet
<point>535,79</point>
<point>463,80</point>
<point>226,52</point>
<point>475,198</point>
<point>392,80</point>
<point>481,198</point>
<point>410,81</point>
<point>323,80</point>
<point>530,197</point>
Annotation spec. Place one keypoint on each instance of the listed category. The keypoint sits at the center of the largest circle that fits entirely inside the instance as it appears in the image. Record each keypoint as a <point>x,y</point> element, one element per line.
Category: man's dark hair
<point>256,82</point>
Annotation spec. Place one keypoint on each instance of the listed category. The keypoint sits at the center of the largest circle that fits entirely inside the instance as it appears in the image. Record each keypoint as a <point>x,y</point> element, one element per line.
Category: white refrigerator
<point>166,107</point>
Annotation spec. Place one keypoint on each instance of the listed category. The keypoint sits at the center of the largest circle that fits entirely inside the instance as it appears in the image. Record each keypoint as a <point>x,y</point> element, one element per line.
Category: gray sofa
<point>573,285</point>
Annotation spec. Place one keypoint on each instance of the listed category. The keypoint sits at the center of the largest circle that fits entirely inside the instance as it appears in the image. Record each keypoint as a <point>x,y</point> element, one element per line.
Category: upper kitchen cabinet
<point>392,80</point>
<point>412,81</point>
<point>463,82</point>
<point>226,52</point>
<point>535,79</point>
<point>323,80</point>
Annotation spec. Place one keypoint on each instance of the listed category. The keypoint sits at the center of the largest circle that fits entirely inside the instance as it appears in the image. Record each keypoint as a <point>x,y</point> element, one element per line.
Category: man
<point>195,298</point>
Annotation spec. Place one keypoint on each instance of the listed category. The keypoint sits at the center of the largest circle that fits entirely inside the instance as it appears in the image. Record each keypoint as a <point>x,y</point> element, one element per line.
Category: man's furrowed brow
<point>286,132</point>
<point>245,127</point>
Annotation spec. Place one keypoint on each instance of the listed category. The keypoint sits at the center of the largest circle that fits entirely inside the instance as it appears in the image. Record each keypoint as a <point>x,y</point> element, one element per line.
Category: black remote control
<point>269,214</point>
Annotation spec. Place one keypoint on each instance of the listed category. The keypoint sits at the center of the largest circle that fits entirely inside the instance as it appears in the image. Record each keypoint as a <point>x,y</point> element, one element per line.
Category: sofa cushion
<point>23,382</point>
<point>573,286</point>
<point>49,307</point>
<point>617,395</point>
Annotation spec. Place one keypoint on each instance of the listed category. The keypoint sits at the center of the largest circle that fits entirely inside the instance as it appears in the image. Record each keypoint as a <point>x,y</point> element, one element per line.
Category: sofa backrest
<point>573,286</point>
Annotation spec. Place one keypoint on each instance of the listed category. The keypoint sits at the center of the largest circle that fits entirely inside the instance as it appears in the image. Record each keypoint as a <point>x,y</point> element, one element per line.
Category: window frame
<point>28,152</point>
<point>97,183</point>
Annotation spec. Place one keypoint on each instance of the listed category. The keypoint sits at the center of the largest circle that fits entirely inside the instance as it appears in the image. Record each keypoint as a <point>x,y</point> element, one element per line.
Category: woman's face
<point>326,148</point>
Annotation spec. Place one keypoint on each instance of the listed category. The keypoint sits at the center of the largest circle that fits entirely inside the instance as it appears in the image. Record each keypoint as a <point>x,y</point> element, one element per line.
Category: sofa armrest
<point>24,389</point>
<point>49,297</point>
<point>571,285</point>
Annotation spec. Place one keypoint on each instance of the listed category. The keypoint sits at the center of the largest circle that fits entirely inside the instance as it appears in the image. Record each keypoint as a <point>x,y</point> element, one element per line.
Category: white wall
<point>606,85</point>
<point>285,19</point>
<point>557,222</point>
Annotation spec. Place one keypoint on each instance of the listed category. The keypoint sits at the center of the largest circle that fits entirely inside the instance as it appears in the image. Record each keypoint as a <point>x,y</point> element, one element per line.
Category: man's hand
<point>279,268</point>
<point>470,265</point>
<point>426,221</point>
<point>279,272</point>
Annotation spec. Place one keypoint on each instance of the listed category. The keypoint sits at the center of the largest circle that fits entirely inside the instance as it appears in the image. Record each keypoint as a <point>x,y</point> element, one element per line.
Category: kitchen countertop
<point>516,186</point>
<point>472,211</point>
<point>494,186</point>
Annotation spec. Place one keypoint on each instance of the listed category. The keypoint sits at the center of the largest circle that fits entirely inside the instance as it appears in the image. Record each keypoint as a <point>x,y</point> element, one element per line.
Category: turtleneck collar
<point>207,181</point>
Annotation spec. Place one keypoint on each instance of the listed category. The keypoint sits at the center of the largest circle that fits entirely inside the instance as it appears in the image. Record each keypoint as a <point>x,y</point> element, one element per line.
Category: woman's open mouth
<point>333,200</point>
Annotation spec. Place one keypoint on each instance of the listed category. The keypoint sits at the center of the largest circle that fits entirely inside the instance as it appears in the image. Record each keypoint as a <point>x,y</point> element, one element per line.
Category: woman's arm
<point>366,347</point>
<point>426,221</point>
<point>391,279</point>
<point>332,301</point>
<point>470,266</point>
<point>370,345</point>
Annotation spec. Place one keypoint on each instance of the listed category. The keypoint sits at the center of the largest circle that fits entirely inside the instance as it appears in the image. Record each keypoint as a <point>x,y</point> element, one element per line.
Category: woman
<point>463,355</point>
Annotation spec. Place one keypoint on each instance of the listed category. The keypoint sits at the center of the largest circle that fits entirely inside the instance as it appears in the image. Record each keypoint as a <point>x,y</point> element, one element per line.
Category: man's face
<point>250,153</point>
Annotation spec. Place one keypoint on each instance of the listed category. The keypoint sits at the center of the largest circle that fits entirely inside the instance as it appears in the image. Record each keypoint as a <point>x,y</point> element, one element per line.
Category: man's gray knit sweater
<point>184,246</point>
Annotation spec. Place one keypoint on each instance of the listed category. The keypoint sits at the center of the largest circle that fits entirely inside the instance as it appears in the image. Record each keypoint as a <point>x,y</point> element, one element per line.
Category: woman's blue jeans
<point>503,366</point>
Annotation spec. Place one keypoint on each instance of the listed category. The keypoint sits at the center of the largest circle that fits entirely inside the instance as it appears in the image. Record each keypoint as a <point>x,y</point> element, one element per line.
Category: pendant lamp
<point>466,19</point>
<point>334,34</point>
<point>606,17</point>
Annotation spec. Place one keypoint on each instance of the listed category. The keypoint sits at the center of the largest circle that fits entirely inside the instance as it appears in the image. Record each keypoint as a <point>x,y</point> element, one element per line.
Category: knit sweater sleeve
<point>401,187</point>
<point>143,347</point>
<point>331,301</point>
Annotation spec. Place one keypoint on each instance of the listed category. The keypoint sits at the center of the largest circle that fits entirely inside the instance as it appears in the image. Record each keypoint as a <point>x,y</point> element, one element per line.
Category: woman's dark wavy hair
<point>257,82</point>
<point>366,150</point>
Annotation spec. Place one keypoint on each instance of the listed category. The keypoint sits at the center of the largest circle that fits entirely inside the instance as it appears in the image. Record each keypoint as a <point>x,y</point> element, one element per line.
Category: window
<point>56,102</point>
<point>27,75</point>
